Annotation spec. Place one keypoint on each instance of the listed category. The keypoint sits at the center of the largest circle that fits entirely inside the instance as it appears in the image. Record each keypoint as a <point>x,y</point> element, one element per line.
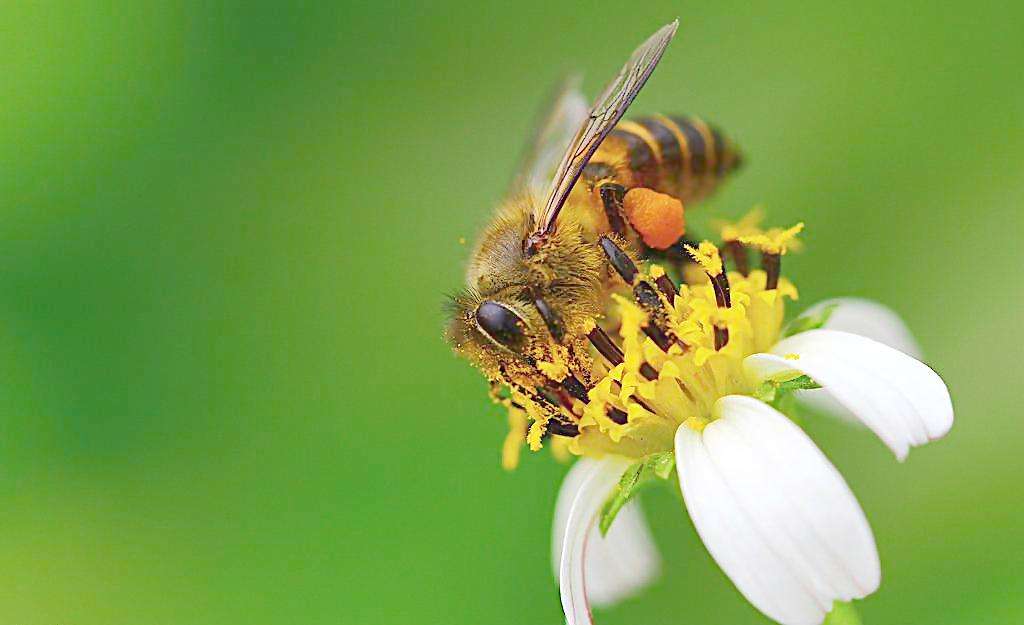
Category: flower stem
<point>842,614</point>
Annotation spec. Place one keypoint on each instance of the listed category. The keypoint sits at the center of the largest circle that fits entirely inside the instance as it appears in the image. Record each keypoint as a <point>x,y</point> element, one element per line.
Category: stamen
<point>607,348</point>
<point>616,415</point>
<point>721,337</point>
<point>561,428</point>
<point>771,263</point>
<point>621,261</point>
<point>773,244</point>
<point>721,286</point>
<point>739,255</point>
<point>636,398</point>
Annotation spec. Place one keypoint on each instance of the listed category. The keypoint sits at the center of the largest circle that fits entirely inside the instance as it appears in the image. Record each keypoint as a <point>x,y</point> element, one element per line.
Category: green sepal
<point>638,475</point>
<point>807,322</point>
<point>776,392</point>
<point>842,614</point>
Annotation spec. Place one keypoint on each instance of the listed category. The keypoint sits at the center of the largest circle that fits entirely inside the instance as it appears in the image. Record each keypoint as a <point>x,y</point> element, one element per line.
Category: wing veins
<point>606,111</point>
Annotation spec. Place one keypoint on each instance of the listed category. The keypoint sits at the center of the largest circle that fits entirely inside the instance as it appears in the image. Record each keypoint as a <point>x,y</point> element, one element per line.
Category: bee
<point>594,194</point>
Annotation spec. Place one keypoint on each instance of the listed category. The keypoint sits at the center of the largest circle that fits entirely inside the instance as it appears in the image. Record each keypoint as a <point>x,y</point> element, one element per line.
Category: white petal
<point>619,564</point>
<point>869,319</point>
<point>899,398</point>
<point>866,318</point>
<point>627,559</point>
<point>774,513</point>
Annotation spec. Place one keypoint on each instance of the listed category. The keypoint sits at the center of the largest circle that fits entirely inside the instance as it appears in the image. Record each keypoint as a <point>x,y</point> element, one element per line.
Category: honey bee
<point>594,194</point>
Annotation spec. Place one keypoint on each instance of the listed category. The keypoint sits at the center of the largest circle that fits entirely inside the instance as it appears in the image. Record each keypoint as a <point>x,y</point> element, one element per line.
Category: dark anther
<point>561,428</point>
<point>575,388</point>
<point>636,398</point>
<point>501,324</point>
<point>668,289</point>
<point>616,415</point>
<point>738,251</point>
<point>550,317</point>
<point>605,346</point>
<point>656,334</point>
<point>619,260</point>
<point>721,337</point>
<point>611,196</point>
<point>771,265</point>
<point>721,286</point>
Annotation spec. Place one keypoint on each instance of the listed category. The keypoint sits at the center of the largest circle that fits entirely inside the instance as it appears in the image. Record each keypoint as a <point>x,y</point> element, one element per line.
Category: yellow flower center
<point>689,378</point>
<point>679,351</point>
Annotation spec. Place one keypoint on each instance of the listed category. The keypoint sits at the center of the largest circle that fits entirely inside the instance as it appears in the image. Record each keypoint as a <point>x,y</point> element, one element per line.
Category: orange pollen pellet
<point>657,217</point>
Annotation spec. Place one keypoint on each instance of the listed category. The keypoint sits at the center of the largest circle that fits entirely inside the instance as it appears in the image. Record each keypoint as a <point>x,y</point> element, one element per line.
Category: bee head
<point>491,332</point>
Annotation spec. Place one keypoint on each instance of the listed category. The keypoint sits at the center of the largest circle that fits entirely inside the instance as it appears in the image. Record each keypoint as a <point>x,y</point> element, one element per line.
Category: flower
<point>774,513</point>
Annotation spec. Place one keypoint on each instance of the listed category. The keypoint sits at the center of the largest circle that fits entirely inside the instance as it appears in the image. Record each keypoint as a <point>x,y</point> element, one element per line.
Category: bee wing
<point>604,114</point>
<point>563,113</point>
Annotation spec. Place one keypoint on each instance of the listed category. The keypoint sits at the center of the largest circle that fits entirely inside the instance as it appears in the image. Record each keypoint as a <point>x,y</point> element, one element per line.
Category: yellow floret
<point>707,256</point>
<point>775,240</point>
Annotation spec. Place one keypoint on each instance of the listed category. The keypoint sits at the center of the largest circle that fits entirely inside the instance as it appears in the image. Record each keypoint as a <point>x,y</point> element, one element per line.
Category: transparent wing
<point>560,118</point>
<point>605,113</point>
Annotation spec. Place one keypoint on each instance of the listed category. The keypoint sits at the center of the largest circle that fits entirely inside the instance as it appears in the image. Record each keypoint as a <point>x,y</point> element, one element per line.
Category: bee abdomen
<point>690,157</point>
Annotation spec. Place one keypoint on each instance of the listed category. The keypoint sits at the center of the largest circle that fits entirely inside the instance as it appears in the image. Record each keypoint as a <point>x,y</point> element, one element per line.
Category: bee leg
<point>644,294</point>
<point>557,423</point>
<point>611,352</point>
<point>550,317</point>
<point>612,194</point>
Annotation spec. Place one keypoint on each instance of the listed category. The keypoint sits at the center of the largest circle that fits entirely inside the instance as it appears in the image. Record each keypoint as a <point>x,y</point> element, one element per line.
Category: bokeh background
<point>226,232</point>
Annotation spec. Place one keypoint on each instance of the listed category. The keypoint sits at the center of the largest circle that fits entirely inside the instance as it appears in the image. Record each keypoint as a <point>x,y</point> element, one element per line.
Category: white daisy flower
<point>772,510</point>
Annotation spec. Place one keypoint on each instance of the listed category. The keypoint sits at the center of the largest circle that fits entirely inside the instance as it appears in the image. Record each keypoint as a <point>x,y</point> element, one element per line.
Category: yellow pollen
<point>557,371</point>
<point>536,434</point>
<point>792,356</point>
<point>748,225</point>
<point>706,255</point>
<point>775,240</point>
<point>514,439</point>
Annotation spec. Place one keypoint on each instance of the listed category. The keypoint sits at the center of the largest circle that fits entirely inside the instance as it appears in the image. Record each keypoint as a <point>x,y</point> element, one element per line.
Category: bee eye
<point>501,324</point>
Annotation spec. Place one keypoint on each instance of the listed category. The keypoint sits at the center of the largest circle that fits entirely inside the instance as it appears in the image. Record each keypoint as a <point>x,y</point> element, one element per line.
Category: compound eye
<point>503,326</point>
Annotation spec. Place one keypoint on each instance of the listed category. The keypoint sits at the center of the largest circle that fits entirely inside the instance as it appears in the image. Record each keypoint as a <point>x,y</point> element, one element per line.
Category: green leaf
<point>842,614</point>
<point>807,322</point>
<point>635,478</point>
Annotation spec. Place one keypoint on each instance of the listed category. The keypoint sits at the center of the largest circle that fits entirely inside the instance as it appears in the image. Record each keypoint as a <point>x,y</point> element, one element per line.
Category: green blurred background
<point>226,232</point>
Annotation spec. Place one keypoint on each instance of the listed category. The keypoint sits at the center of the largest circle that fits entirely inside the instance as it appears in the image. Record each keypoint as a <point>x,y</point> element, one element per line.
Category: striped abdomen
<point>681,156</point>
